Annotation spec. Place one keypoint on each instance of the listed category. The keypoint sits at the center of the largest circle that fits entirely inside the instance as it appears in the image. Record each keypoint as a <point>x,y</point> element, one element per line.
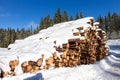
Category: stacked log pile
<point>32,66</point>
<point>12,65</point>
<point>27,66</point>
<point>87,47</point>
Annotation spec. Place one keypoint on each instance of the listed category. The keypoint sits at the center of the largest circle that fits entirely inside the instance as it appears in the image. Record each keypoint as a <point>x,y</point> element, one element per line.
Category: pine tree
<point>65,16</point>
<point>77,16</point>
<point>7,37</point>
<point>36,30</point>
<point>109,23</point>
<point>71,18</point>
<point>22,33</point>
<point>109,19</point>
<point>115,22</point>
<point>57,16</point>
<point>41,25</point>
<point>81,15</point>
<point>2,35</point>
<point>106,25</point>
<point>48,21</point>
<point>31,29</point>
<point>101,21</point>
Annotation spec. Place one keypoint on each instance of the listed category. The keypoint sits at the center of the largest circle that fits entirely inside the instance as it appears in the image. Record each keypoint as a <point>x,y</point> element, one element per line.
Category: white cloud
<point>33,24</point>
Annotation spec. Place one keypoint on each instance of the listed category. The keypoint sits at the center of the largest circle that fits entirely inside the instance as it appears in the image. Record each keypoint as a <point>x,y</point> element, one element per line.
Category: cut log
<point>74,40</point>
<point>39,62</point>
<point>23,65</point>
<point>12,73</point>
<point>36,68</point>
<point>47,67</point>
<point>76,33</point>
<point>64,46</point>
<point>33,63</point>
<point>5,74</point>
<point>91,22</point>
<point>29,68</point>
<point>13,62</point>
<point>80,28</point>
<point>12,67</point>
<point>55,55</point>
<point>50,61</point>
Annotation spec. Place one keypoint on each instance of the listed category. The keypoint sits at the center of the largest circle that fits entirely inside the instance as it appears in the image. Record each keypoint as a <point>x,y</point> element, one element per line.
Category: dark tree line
<point>58,18</point>
<point>109,23</point>
<point>9,35</point>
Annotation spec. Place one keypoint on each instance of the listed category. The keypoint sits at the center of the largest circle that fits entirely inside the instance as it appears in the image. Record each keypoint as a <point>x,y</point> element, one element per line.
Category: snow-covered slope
<point>32,47</point>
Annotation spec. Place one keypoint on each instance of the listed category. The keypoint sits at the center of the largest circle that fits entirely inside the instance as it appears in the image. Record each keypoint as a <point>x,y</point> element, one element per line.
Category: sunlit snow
<point>33,46</point>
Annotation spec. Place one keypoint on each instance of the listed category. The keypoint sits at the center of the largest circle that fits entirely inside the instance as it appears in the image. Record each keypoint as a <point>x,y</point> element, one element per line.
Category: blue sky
<point>24,13</point>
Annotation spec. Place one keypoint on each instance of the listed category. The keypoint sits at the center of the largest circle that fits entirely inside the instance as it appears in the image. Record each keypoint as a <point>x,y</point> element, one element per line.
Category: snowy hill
<point>32,47</point>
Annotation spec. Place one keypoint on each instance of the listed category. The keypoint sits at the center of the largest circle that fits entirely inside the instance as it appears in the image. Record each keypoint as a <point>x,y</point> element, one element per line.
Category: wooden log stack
<point>86,49</point>
<point>32,66</point>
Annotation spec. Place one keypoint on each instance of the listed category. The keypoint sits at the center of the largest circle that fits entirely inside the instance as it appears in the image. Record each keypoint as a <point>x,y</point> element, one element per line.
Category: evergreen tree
<point>65,16</point>
<point>77,16</point>
<point>22,33</point>
<point>31,29</point>
<point>81,15</point>
<point>41,26</point>
<point>57,16</point>
<point>7,37</point>
<point>109,19</point>
<point>115,22</point>
<point>48,21</point>
<point>109,23</point>
<point>36,30</point>
<point>2,35</point>
<point>106,25</point>
<point>71,18</point>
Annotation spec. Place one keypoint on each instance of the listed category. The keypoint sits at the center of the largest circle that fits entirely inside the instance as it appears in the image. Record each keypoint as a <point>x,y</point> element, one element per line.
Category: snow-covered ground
<point>32,47</point>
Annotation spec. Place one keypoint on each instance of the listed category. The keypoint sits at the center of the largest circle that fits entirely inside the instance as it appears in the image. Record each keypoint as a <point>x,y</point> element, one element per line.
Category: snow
<point>32,47</point>
<point>114,42</point>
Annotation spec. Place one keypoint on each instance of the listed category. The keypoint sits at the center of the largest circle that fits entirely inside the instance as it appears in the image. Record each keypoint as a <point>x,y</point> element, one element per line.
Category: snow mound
<point>32,47</point>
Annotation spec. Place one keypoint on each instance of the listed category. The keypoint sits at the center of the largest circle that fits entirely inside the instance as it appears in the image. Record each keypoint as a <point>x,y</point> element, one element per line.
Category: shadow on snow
<point>38,76</point>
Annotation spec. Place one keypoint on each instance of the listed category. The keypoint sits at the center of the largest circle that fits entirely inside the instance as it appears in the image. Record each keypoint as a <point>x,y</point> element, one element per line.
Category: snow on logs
<point>12,65</point>
<point>30,66</point>
<point>87,47</point>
